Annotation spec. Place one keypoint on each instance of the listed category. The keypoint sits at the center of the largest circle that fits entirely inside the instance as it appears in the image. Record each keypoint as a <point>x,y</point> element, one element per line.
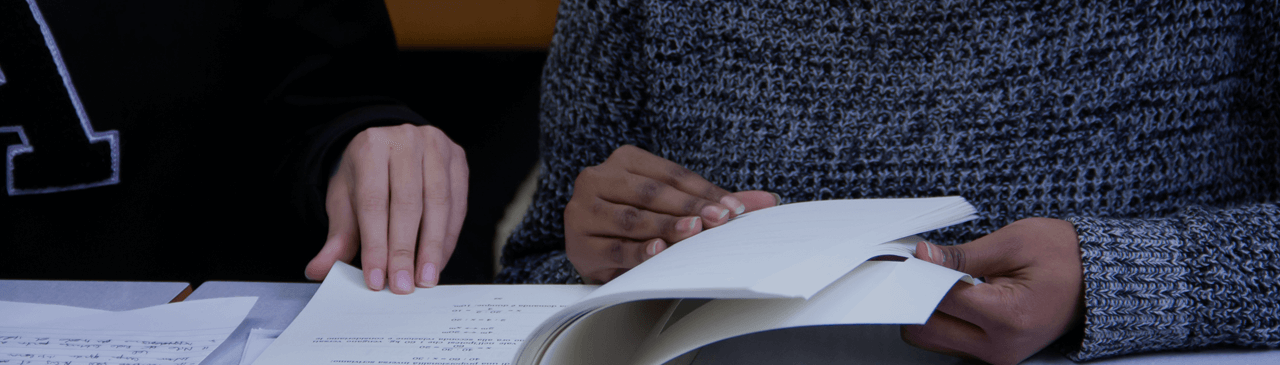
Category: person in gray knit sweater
<point>1123,155</point>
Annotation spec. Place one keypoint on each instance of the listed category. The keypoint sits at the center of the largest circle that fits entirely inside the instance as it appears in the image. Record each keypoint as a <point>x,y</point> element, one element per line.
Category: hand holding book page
<point>1035,292</point>
<point>636,318</point>
<point>636,204</point>
<point>789,251</point>
<point>175,334</point>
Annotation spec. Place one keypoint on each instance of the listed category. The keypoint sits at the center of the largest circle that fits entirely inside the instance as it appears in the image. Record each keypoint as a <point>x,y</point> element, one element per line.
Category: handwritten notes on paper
<point>59,347</point>
<point>346,323</point>
<point>171,334</point>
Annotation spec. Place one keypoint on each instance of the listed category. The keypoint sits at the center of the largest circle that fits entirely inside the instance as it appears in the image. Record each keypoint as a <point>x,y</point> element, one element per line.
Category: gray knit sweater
<point>1154,127</point>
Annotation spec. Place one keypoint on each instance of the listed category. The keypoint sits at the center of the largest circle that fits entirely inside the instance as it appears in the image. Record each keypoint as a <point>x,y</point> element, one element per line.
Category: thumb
<point>757,199</point>
<point>339,247</point>
<point>978,258</point>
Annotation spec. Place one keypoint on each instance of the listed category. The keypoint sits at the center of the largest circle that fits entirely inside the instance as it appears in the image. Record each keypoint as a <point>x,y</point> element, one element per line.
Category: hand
<point>398,198</point>
<point>1033,293</point>
<point>635,204</point>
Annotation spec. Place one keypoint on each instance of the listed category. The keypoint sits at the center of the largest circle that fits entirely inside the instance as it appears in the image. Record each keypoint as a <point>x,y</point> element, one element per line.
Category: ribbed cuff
<point>1137,298</point>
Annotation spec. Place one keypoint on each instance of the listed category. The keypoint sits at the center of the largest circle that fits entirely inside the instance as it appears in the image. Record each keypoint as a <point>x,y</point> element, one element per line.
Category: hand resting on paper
<point>635,204</point>
<point>398,198</point>
<point>1033,293</point>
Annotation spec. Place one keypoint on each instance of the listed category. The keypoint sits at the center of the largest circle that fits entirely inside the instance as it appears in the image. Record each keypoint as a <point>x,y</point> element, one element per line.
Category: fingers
<point>1032,295</point>
<point>406,211</point>
<point>343,242</point>
<point>625,221</point>
<point>606,257</point>
<point>965,301</point>
<point>945,334</point>
<point>649,194</point>
<point>640,162</point>
<point>399,197</point>
<point>754,200</point>
<point>370,196</point>
<point>982,304</point>
<point>459,176</point>
<point>980,258</point>
<point>438,189</point>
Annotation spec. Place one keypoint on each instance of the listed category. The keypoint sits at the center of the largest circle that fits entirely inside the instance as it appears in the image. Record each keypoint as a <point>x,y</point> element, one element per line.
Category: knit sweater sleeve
<point>593,87</point>
<point>1200,278</point>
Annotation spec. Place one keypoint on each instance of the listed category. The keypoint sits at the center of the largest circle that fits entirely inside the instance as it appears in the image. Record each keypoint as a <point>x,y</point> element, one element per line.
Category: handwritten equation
<point>459,329</point>
<point>69,348</point>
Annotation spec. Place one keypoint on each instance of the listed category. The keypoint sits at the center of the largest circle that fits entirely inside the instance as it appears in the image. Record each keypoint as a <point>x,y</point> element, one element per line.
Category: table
<point>106,295</point>
<point>279,303</point>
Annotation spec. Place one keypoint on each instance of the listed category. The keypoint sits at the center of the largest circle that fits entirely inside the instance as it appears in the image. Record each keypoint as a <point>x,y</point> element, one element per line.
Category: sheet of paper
<point>792,250</point>
<point>171,334</point>
<point>876,292</point>
<point>346,323</point>
<point>259,339</point>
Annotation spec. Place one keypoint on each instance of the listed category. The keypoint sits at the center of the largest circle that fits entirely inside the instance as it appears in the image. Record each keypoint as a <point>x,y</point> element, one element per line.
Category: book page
<point>877,292</point>
<point>171,334</point>
<point>792,250</point>
<point>346,323</point>
<point>789,251</point>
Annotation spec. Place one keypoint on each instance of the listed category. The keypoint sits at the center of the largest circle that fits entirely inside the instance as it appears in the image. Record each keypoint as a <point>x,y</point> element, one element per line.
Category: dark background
<point>487,101</point>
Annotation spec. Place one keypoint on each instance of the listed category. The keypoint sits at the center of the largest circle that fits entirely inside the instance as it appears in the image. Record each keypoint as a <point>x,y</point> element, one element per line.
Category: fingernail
<point>376,278</point>
<point>404,281</point>
<point>714,212</point>
<point>928,250</point>
<point>428,275</point>
<point>733,203</point>
<point>655,247</point>
<point>777,199</point>
<point>693,224</point>
<point>685,225</point>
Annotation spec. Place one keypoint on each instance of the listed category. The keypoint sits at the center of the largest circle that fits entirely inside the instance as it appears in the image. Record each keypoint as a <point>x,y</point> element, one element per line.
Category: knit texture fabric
<point>1153,126</point>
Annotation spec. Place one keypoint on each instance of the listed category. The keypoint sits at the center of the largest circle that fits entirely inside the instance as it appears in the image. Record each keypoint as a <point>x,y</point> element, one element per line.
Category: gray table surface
<point>106,295</point>
<point>279,303</point>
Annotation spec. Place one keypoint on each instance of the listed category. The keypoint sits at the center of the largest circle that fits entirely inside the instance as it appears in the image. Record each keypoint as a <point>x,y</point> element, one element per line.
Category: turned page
<point>877,292</point>
<point>788,251</point>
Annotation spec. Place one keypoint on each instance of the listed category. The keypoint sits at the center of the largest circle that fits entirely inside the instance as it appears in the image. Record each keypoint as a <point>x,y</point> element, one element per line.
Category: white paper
<point>259,339</point>
<point>877,292</point>
<point>346,323</point>
<point>788,251</point>
<point>791,250</point>
<point>171,334</point>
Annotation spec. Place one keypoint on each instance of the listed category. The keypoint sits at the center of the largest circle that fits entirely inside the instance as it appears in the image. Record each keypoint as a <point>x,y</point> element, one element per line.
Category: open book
<point>795,265</point>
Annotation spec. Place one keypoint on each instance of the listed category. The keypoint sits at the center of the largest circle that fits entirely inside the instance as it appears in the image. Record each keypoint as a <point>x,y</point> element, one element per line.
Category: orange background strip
<point>473,24</point>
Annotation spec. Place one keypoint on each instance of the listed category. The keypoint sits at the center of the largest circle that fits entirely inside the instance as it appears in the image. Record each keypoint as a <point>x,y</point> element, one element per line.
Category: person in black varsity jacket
<point>162,140</point>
